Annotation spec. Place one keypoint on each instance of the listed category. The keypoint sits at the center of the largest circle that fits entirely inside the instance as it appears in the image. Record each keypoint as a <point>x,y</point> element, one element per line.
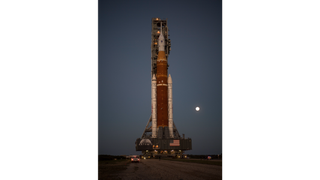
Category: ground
<point>155,169</point>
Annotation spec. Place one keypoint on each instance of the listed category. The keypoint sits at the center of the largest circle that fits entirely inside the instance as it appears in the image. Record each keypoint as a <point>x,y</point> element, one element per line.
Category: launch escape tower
<point>160,136</point>
<point>155,33</point>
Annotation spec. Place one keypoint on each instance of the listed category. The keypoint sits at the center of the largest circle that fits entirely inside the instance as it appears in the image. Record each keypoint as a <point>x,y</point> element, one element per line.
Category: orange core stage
<point>162,90</point>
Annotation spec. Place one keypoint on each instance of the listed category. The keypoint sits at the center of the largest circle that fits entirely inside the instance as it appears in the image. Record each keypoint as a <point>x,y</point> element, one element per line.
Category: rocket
<point>161,93</point>
<point>162,85</point>
<point>165,139</point>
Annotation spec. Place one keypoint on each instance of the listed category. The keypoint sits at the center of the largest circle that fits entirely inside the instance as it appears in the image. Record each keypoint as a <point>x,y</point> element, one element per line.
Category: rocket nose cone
<point>169,79</point>
<point>161,36</point>
<point>153,77</point>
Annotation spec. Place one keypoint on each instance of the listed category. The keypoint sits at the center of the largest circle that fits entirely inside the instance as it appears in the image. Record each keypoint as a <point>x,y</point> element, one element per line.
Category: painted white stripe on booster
<point>154,106</point>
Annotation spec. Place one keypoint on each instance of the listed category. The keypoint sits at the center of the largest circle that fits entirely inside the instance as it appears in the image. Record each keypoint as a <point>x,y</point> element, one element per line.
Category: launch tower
<point>161,137</point>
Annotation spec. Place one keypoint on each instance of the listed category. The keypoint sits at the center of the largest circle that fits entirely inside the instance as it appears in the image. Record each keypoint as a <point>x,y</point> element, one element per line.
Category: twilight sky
<point>195,64</point>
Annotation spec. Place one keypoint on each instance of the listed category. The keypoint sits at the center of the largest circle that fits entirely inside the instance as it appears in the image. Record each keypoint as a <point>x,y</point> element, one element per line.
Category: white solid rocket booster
<point>170,123</point>
<point>154,105</point>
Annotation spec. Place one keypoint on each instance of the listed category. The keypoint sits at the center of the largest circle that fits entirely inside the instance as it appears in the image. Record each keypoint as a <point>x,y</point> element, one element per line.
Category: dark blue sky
<point>195,64</point>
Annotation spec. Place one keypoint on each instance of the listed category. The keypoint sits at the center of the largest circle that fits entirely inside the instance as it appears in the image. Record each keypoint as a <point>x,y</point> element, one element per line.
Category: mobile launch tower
<point>161,137</point>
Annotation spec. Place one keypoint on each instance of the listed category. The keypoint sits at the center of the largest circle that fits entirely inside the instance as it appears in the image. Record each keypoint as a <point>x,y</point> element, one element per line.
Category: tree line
<point>214,156</point>
<point>109,157</point>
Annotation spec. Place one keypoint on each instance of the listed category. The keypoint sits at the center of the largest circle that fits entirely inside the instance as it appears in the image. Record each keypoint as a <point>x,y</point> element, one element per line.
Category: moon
<point>197,109</point>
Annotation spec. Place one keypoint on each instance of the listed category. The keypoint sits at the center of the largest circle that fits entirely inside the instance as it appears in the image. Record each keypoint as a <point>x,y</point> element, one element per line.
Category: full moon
<point>197,109</point>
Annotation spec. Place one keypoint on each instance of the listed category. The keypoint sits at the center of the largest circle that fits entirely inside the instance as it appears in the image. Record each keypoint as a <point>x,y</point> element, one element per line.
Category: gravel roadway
<point>153,169</point>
